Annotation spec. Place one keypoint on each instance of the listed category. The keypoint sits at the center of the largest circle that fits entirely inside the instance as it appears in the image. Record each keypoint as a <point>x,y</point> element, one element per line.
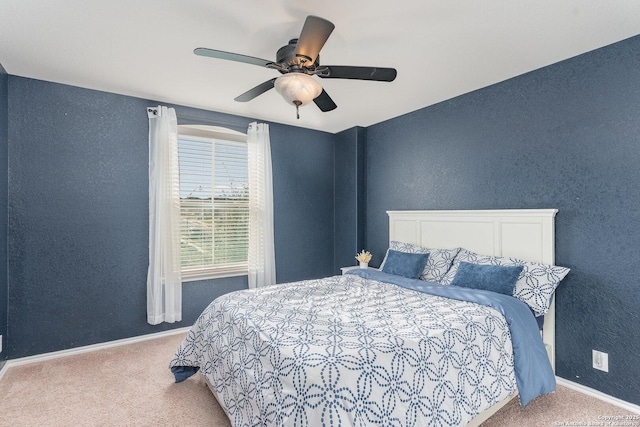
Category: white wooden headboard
<point>527,234</point>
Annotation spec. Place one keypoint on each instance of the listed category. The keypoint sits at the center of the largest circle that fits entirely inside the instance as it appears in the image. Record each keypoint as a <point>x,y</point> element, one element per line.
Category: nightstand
<point>345,269</point>
<point>353,267</point>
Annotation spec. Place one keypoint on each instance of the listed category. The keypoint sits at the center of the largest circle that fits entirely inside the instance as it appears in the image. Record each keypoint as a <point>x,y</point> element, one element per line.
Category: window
<point>214,202</point>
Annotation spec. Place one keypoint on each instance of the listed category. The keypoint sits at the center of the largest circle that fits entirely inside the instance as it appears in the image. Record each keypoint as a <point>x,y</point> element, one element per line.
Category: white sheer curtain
<point>164,283</point>
<point>261,257</point>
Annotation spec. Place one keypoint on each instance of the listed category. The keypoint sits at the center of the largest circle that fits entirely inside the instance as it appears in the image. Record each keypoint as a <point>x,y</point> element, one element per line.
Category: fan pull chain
<point>298,103</point>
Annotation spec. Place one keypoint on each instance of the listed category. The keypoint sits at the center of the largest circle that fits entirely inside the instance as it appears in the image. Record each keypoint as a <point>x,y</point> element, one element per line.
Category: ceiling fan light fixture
<point>298,88</point>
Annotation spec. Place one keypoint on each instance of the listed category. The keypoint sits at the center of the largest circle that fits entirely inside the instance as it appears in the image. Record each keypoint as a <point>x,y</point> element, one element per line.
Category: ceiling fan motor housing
<point>286,56</point>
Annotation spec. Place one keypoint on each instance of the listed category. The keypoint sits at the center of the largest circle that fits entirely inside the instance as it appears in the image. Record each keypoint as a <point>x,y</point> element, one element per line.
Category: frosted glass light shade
<point>298,88</point>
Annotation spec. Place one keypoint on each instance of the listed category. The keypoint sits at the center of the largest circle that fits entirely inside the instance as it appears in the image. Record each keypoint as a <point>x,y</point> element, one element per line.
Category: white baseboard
<point>89,348</point>
<point>598,395</point>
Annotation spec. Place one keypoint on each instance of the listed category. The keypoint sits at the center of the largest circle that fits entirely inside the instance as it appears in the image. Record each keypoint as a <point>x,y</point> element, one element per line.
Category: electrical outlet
<point>600,360</point>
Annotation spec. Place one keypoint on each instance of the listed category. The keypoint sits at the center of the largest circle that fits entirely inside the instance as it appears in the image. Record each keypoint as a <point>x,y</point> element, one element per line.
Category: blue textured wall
<point>349,195</point>
<point>303,206</point>
<point>4,96</point>
<point>567,137</point>
<point>78,215</point>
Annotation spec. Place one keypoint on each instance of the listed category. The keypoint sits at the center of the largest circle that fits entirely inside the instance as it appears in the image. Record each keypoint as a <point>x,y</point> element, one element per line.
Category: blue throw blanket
<point>534,375</point>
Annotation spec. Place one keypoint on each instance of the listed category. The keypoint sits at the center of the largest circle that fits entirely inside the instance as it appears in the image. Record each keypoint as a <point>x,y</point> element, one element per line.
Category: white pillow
<point>438,262</point>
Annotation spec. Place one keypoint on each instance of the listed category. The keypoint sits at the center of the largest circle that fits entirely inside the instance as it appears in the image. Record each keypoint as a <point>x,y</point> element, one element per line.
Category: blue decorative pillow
<point>437,265</point>
<point>495,278</point>
<point>404,264</point>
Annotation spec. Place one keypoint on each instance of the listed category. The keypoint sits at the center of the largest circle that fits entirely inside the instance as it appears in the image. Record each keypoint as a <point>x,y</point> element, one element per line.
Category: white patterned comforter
<point>347,350</point>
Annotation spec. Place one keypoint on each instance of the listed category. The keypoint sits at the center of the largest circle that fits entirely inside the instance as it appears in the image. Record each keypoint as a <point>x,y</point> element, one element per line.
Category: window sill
<point>197,275</point>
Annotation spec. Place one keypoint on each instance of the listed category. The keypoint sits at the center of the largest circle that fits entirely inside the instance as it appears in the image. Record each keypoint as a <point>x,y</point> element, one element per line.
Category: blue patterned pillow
<point>438,263</point>
<point>495,278</point>
<point>536,283</point>
<point>463,255</point>
<point>405,264</point>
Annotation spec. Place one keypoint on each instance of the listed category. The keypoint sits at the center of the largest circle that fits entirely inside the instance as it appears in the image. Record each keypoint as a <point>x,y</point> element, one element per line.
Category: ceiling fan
<point>299,62</point>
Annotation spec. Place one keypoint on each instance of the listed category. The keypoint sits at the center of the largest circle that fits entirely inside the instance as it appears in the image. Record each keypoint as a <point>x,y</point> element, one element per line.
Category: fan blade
<point>324,102</point>
<point>359,73</point>
<point>256,91</point>
<point>314,35</point>
<point>212,53</point>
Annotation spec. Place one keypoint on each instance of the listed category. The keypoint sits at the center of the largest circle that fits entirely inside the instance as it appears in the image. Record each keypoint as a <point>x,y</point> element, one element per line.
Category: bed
<point>371,347</point>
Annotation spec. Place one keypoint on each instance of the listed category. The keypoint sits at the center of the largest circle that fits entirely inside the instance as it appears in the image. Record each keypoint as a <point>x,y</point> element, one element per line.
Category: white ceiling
<point>441,48</point>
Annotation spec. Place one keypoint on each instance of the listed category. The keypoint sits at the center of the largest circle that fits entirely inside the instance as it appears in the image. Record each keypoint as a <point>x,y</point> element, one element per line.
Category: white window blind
<point>214,202</point>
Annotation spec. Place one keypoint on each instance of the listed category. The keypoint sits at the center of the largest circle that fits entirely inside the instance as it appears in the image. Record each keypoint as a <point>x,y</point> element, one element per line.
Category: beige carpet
<point>132,386</point>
